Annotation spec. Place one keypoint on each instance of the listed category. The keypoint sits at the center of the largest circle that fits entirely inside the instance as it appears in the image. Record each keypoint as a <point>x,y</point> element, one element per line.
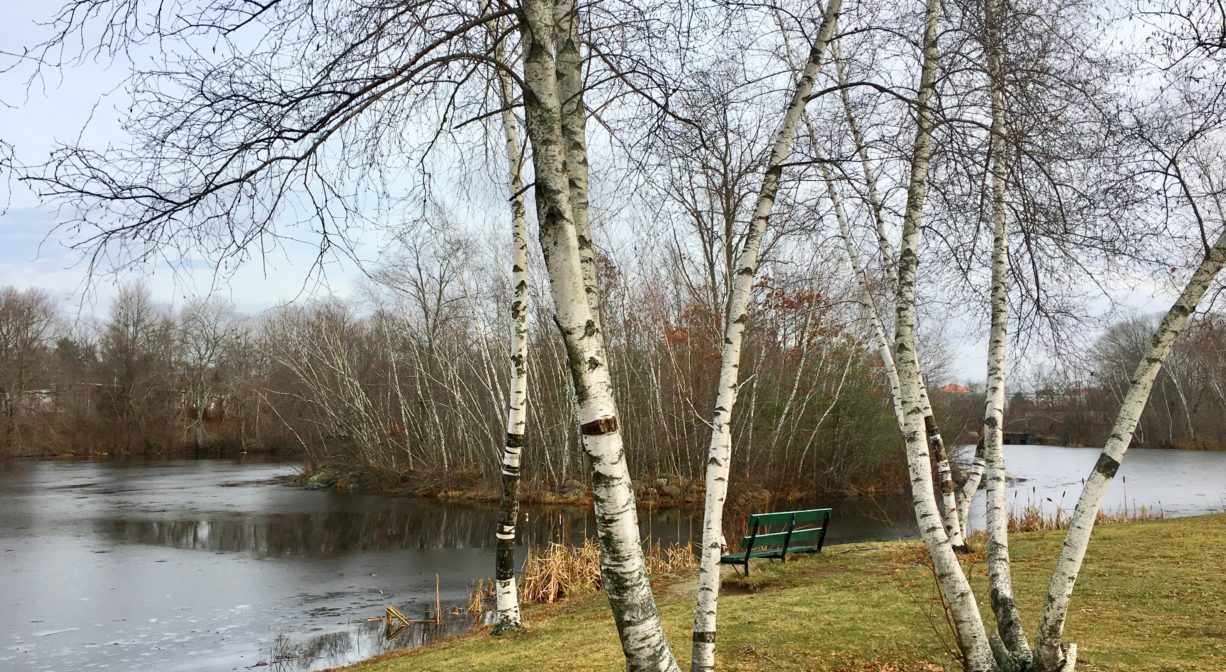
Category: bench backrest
<point>786,529</point>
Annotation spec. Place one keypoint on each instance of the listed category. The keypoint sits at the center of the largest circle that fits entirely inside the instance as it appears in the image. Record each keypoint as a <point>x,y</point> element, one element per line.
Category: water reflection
<point>410,524</point>
<point>359,640</point>
<point>321,534</point>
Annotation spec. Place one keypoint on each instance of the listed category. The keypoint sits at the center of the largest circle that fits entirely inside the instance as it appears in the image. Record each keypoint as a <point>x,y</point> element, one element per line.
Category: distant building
<point>954,388</point>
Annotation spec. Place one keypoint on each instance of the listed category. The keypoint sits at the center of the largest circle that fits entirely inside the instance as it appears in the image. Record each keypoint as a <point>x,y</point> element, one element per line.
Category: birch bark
<point>945,474</point>
<point>568,67</point>
<point>884,247</point>
<point>621,557</point>
<point>506,594</point>
<point>1000,574</point>
<point>1052,654</point>
<point>720,451</point>
<point>966,492</point>
<point>866,293</point>
<point>968,624</point>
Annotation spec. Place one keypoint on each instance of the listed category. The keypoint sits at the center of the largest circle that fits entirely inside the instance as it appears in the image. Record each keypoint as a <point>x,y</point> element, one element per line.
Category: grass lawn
<point>1151,596</point>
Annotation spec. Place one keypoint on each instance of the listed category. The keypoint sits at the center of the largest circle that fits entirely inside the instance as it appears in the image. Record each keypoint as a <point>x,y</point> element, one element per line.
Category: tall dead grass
<point>560,570</point>
<point>1034,516</point>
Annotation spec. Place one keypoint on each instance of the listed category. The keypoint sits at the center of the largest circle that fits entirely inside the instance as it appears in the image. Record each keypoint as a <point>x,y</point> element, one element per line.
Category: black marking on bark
<point>504,569</point>
<point>1107,465</point>
<point>515,440</point>
<point>599,426</point>
<point>704,637</point>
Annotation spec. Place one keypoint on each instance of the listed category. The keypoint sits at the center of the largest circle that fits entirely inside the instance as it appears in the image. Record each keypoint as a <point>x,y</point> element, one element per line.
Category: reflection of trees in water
<point>361,640</point>
<point>408,524</point>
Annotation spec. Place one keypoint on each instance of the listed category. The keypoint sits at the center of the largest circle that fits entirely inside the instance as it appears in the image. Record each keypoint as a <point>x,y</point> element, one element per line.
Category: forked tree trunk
<point>621,555</point>
<point>506,596</point>
<point>1000,576</point>
<point>956,590</point>
<point>1051,652</point>
<point>720,450</point>
<point>966,492</point>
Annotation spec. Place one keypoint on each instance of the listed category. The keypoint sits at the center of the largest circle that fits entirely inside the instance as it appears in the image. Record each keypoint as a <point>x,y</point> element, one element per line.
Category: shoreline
<point>660,493</point>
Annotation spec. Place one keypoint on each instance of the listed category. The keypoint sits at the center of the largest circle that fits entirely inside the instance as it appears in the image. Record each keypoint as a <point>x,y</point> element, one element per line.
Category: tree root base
<point>504,628</point>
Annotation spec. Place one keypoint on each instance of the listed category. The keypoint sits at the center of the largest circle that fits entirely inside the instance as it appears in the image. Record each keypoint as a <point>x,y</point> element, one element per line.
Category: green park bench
<point>795,532</point>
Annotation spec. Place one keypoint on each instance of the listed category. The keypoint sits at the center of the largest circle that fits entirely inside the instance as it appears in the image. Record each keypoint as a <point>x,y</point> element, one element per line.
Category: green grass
<point>1151,596</point>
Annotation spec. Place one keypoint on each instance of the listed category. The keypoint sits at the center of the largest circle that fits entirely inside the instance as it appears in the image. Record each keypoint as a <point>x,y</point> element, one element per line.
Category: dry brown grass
<point>1033,518</point>
<point>562,570</point>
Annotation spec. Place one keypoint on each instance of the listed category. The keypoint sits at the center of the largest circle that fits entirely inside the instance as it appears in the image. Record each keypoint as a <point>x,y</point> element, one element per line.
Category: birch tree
<point>955,503</point>
<point>956,590</point>
<point>719,453</point>
<point>204,327</point>
<point>621,558</point>
<point>1194,170</point>
<point>1008,619</point>
<point>506,596</point>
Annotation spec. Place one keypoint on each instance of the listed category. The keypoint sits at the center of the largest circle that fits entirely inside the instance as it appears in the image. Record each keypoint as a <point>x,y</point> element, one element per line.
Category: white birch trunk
<point>621,557</point>
<point>506,596</point>
<point>884,247</point>
<point>870,306</point>
<point>945,474</point>
<point>956,508</point>
<point>966,492</point>
<point>720,451</point>
<point>1052,654</point>
<point>1000,574</point>
<point>568,67</point>
<point>954,511</point>
<point>968,624</point>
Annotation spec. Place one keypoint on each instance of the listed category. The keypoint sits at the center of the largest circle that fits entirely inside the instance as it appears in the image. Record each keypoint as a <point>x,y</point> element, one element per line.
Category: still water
<point>216,565</point>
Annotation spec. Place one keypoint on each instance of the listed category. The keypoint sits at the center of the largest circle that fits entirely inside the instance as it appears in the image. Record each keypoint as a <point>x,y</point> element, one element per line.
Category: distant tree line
<point>399,384</point>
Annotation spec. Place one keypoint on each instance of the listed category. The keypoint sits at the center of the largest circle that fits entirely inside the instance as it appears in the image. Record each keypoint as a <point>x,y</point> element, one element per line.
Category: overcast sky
<point>91,95</point>
<point>33,254</point>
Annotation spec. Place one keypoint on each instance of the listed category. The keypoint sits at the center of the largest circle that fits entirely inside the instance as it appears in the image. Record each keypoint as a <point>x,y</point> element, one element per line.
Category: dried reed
<point>560,570</point>
<point>1034,517</point>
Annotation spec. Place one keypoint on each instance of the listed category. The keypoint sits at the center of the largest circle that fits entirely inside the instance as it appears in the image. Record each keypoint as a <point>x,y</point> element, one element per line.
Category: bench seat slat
<point>739,558</point>
<point>777,538</point>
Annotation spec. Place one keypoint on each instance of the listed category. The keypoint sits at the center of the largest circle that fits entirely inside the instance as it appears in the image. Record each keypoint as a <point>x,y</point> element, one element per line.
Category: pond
<point>218,565</point>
